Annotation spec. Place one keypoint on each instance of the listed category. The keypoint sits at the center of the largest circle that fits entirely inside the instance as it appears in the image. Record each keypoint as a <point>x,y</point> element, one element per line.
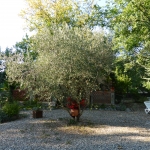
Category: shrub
<point>11,109</point>
<point>3,116</point>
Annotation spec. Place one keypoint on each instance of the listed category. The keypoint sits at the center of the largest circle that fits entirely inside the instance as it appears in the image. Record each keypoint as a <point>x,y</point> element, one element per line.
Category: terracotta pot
<point>37,113</point>
<point>74,112</point>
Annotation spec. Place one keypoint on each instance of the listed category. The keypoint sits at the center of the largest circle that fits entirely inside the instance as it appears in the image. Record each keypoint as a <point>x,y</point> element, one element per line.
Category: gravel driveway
<point>97,130</point>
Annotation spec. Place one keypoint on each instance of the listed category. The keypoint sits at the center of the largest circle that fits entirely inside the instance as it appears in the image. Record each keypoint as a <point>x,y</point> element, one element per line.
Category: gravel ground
<point>97,130</point>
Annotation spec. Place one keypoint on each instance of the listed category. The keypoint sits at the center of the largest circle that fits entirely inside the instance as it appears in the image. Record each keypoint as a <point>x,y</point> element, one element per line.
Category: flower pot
<point>74,112</point>
<point>37,113</point>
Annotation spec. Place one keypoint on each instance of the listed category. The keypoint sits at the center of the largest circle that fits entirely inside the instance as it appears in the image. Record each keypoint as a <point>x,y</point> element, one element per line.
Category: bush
<point>3,116</point>
<point>11,109</point>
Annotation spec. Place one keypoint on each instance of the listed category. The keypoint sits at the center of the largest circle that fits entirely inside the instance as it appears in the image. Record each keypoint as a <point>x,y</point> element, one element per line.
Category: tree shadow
<point>99,130</point>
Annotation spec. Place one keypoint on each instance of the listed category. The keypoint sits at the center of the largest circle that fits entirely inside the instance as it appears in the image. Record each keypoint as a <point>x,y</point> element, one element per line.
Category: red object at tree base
<point>72,104</point>
<point>74,112</point>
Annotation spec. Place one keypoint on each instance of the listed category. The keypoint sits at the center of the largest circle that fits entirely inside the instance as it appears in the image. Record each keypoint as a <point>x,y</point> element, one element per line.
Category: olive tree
<point>70,63</point>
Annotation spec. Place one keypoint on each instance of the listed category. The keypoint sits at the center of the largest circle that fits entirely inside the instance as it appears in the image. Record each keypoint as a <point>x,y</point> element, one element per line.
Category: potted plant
<point>37,112</point>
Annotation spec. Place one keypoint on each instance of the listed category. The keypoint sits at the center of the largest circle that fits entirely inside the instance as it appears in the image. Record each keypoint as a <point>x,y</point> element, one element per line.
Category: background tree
<point>43,13</point>
<point>147,76</point>
<point>129,22</point>
<point>5,88</point>
<point>25,47</point>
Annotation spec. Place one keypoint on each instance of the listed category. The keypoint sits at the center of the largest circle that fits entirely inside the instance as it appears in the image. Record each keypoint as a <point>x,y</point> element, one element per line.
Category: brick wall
<point>19,95</point>
<point>102,97</point>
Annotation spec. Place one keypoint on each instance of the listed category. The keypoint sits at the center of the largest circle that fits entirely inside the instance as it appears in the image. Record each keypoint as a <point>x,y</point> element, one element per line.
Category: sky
<point>11,24</point>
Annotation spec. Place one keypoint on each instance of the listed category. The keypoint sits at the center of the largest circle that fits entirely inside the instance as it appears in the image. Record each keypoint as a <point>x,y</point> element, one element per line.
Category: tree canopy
<point>64,37</point>
<point>43,13</point>
<point>69,63</point>
<point>128,21</point>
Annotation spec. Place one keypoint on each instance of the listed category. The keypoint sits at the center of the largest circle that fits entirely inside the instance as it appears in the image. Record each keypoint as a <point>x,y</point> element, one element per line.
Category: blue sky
<point>11,24</point>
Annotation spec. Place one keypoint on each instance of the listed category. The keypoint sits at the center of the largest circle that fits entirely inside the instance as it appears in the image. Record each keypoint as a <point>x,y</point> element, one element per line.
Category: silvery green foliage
<point>70,61</point>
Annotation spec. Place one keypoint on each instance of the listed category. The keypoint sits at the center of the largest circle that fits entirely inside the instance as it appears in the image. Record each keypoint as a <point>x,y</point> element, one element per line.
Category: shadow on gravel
<point>56,134</point>
<point>97,130</point>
